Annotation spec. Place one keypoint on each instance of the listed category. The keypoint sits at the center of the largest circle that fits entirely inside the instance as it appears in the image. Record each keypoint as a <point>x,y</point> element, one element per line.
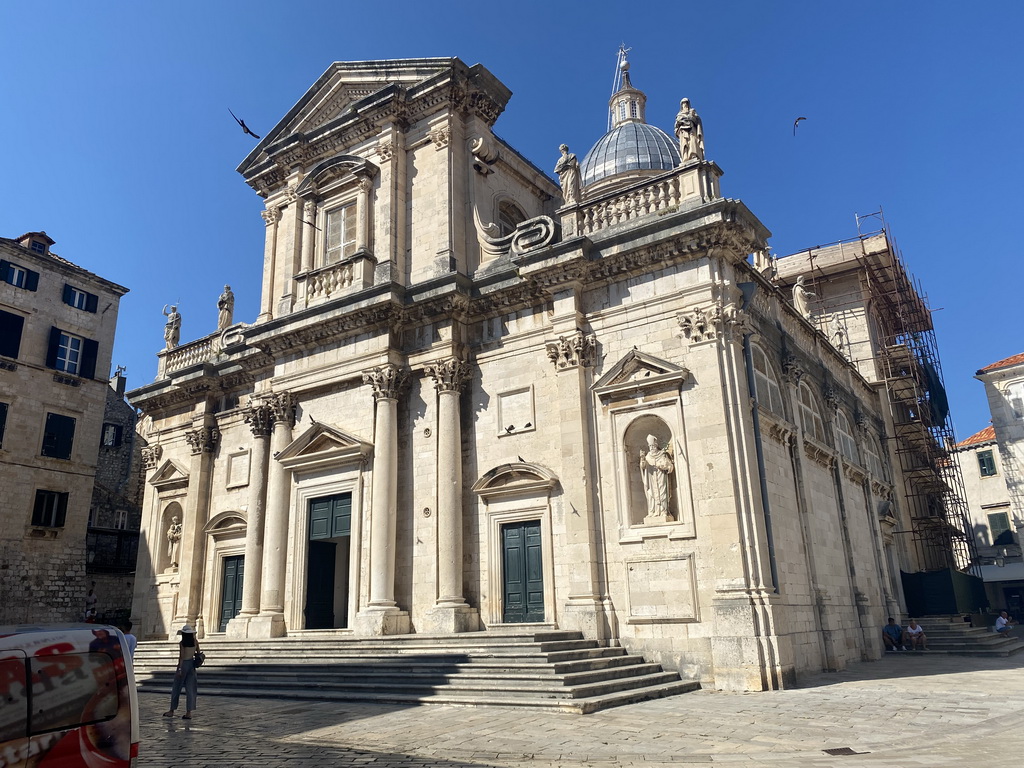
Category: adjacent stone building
<point>474,398</point>
<point>57,324</point>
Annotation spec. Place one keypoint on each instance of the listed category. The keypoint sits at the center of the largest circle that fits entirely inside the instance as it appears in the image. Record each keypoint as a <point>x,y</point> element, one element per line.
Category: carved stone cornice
<point>450,375</point>
<point>271,215</point>
<point>777,429</point>
<point>360,320</point>
<point>579,349</point>
<point>260,418</point>
<point>283,405</point>
<point>853,471</point>
<point>387,381</point>
<point>792,370</point>
<point>819,454</point>
<point>203,439</point>
<point>151,455</point>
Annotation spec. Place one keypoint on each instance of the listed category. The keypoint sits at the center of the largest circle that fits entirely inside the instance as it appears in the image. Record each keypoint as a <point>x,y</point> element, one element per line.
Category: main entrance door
<point>330,524</point>
<point>523,574</point>
<point>231,590</point>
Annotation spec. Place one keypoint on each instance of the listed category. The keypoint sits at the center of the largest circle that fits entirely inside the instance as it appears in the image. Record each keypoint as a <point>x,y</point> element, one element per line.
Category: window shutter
<point>88,367</point>
<point>3,422</point>
<point>91,301</point>
<point>61,513</point>
<point>69,298</point>
<point>51,351</point>
<point>118,434</point>
<point>31,280</point>
<point>62,429</point>
<point>5,268</point>
<point>11,326</point>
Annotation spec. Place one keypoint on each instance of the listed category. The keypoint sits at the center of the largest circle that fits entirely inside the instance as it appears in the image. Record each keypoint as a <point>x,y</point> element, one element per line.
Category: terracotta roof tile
<point>987,435</point>
<point>1013,360</point>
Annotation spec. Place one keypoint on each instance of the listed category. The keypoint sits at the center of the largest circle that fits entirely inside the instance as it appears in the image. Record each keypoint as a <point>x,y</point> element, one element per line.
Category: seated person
<point>915,637</point>
<point>1004,624</point>
<point>892,636</point>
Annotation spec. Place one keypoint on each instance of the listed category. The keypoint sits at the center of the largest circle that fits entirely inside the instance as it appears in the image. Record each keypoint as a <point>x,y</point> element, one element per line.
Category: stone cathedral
<point>475,398</point>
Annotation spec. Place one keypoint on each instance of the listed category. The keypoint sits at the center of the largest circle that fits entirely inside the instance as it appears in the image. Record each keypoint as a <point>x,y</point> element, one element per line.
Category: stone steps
<point>552,669</point>
<point>952,635</point>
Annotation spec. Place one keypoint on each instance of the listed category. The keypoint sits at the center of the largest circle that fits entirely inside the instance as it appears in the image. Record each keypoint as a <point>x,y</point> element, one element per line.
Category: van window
<point>13,699</point>
<point>72,689</point>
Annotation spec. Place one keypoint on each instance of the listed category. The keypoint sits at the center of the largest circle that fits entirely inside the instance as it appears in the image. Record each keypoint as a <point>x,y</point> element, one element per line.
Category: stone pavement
<point>905,710</point>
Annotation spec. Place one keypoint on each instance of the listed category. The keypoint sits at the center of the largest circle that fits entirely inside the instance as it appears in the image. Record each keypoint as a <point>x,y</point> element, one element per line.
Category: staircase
<point>547,669</point>
<point>951,634</point>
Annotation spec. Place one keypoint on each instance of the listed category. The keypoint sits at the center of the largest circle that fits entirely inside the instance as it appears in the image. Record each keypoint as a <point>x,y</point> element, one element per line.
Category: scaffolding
<point>903,354</point>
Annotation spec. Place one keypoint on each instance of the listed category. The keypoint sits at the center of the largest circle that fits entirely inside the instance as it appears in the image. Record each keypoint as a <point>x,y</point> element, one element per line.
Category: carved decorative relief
<point>779,431</point>
<point>819,454</point>
<point>151,455</point>
<point>387,381</point>
<point>260,418</point>
<point>385,150</point>
<point>572,351</point>
<point>831,397</point>
<point>450,375</point>
<point>485,154</point>
<point>854,472</point>
<point>202,440</point>
<point>792,371</point>
<point>440,136</point>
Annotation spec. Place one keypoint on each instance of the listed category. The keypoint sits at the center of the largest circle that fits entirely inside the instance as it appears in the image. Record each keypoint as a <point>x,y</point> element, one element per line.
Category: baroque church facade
<point>476,399</point>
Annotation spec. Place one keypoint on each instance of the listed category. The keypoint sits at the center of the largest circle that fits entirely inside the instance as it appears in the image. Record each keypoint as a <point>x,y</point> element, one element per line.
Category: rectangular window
<point>72,354</point>
<point>58,436</point>
<point>986,463</point>
<point>51,509</point>
<point>3,422</point>
<point>38,246</point>
<point>19,277</point>
<point>79,299</point>
<point>112,434</point>
<point>340,233</point>
<point>121,519</point>
<point>11,326</point>
<point>999,525</point>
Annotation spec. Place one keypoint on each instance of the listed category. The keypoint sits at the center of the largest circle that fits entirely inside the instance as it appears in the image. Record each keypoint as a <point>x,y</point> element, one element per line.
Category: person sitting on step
<point>892,636</point>
<point>915,637</point>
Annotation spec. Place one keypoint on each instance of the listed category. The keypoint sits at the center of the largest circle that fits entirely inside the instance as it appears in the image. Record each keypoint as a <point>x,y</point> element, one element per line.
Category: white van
<point>67,698</point>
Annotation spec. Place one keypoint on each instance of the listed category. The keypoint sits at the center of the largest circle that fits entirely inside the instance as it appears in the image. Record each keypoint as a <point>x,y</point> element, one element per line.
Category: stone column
<point>363,239</point>
<point>308,234</point>
<point>260,417</point>
<point>203,442</point>
<point>271,216</point>
<point>382,616</point>
<point>271,621</point>
<point>450,613</point>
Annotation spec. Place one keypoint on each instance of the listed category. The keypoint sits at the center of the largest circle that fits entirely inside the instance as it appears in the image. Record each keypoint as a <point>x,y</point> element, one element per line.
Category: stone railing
<point>335,279</point>
<point>696,183</point>
<point>198,351</point>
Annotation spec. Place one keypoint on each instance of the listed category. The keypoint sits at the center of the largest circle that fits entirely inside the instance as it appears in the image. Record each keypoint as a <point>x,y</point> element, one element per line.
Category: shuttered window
<point>58,436</point>
<point>11,326</point>
<point>50,510</point>
<point>72,354</point>
<point>3,422</point>
<point>79,299</point>
<point>18,276</point>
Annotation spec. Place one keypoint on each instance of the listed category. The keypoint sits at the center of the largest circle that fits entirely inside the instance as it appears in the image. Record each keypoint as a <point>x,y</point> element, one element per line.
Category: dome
<point>631,146</point>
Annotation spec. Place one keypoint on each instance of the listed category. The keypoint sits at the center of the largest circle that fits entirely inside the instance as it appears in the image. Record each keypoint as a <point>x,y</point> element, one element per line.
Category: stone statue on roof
<point>225,308</point>
<point>568,170</point>
<point>172,328</point>
<point>690,131</point>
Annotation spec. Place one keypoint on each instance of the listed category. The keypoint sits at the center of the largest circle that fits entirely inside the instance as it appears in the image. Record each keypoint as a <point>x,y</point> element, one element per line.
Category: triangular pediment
<point>637,368</point>
<point>324,445</point>
<point>170,474</point>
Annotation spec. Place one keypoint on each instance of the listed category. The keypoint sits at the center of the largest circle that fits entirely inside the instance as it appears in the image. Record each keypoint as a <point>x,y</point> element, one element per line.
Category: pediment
<point>515,479</point>
<point>324,445</point>
<point>170,474</point>
<point>639,370</point>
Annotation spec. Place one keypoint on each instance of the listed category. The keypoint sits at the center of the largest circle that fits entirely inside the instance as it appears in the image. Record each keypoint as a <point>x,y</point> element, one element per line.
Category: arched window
<point>847,445</point>
<point>510,216</point>
<point>810,415</point>
<point>873,458</point>
<point>769,396</point>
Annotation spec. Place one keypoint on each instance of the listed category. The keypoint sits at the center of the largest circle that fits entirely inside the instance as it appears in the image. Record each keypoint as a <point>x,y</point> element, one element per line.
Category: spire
<point>627,103</point>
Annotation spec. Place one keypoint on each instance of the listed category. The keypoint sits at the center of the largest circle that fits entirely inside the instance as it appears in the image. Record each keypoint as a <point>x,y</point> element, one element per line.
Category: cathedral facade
<point>476,399</point>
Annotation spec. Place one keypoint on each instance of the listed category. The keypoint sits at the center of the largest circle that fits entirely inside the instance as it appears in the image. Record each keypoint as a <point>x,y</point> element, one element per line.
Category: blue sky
<point>117,139</point>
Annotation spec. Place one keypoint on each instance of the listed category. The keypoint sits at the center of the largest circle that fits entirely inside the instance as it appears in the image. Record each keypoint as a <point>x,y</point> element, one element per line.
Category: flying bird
<point>245,128</point>
<point>796,123</point>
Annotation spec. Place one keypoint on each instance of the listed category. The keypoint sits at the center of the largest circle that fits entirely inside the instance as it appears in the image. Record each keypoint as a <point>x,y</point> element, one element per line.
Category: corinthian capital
<point>151,455</point>
<point>202,440</point>
<point>260,418</point>
<point>386,380</point>
<point>571,351</point>
<point>283,405</point>
<point>271,215</point>
<point>449,375</point>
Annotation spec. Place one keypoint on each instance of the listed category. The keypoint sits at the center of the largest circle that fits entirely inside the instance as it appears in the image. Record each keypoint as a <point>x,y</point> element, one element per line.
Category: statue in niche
<point>690,132</point>
<point>172,329</point>
<point>173,539</point>
<point>225,308</point>
<point>656,465</point>
<point>802,296</point>
<point>568,170</point>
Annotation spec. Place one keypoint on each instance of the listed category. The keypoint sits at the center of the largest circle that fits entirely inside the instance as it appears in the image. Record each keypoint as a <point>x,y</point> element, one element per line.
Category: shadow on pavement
<point>907,664</point>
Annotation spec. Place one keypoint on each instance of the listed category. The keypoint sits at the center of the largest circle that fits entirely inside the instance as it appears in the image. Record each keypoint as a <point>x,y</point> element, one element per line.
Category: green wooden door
<point>523,574</point>
<point>231,590</point>
<point>330,520</point>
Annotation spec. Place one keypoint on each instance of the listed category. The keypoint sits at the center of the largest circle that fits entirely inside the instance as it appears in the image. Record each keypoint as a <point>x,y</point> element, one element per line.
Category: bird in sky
<point>245,128</point>
<point>796,123</point>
